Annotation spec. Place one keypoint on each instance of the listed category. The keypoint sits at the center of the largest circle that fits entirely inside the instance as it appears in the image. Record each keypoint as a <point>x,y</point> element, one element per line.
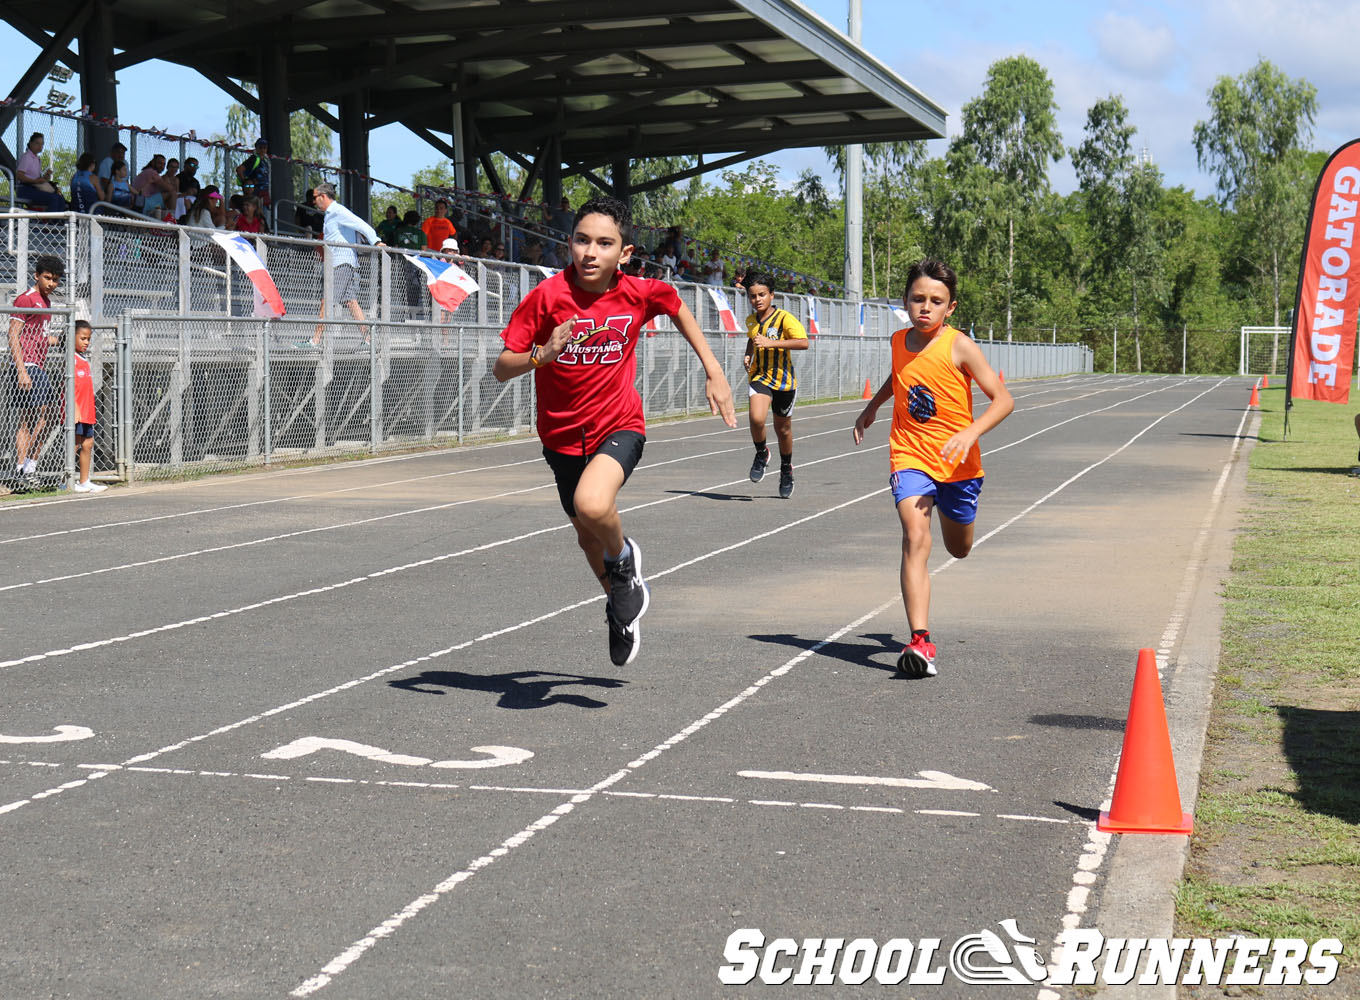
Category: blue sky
<point>1161,57</point>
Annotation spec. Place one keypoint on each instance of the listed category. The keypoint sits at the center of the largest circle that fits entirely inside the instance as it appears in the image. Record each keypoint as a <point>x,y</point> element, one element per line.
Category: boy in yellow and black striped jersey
<point>772,334</point>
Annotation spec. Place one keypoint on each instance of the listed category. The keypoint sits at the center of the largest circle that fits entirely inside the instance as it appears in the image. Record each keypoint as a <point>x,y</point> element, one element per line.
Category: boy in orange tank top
<point>933,445</point>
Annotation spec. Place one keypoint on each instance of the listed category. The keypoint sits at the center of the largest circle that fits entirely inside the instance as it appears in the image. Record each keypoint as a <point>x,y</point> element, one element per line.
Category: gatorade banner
<point>1323,338</point>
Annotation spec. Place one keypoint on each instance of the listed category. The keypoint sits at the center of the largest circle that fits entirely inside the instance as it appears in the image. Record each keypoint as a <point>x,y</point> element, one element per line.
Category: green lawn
<point>1276,849</point>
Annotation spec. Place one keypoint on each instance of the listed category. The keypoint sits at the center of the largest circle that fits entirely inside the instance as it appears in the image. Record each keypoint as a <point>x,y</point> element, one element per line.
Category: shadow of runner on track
<point>711,495</point>
<point>851,652</point>
<point>519,690</point>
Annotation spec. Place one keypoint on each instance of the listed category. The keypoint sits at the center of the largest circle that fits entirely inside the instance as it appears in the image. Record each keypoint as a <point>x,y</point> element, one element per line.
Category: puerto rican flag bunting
<point>813,328</point>
<point>449,284</point>
<point>725,313</point>
<point>268,301</point>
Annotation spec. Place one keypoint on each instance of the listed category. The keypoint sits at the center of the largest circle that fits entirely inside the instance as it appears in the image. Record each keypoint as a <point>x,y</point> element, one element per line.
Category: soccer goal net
<point>1265,350</point>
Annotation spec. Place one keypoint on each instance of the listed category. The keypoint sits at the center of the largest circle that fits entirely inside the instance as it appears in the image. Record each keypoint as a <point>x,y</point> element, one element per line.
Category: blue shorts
<point>34,398</point>
<point>84,430</point>
<point>956,501</point>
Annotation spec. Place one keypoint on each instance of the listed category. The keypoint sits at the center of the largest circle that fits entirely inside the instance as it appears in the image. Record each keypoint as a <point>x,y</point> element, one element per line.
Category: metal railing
<point>199,383</point>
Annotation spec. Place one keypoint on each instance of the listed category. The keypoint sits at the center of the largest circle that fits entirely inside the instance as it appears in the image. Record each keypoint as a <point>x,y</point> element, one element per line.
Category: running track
<point>353,732</point>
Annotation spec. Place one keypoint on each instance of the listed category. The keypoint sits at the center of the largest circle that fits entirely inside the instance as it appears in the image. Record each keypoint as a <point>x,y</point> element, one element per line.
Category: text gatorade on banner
<point>1323,338</point>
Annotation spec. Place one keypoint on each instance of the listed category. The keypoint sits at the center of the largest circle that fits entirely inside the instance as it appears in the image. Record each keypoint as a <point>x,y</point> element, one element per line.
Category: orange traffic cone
<point>868,392</point>
<point>1265,381</point>
<point>1146,797</point>
<point>1255,397</point>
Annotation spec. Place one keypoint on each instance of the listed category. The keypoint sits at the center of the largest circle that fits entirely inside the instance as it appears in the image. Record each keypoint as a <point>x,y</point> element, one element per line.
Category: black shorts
<point>625,447</point>
<point>781,400</point>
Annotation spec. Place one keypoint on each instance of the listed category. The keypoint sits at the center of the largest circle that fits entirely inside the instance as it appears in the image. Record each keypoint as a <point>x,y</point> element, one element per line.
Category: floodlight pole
<point>854,195</point>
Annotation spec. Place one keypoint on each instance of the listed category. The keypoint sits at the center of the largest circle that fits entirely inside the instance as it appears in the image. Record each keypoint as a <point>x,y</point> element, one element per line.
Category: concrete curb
<point>1139,899</point>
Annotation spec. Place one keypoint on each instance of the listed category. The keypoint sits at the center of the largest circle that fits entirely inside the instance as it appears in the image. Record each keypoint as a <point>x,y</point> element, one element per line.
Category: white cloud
<point>1138,49</point>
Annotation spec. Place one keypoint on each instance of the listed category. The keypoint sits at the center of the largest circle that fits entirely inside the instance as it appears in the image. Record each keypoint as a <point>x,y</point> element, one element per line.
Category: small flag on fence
<point>813,328</point>
<point>725,313</point>
<point>268,301</point>
<point>861,319</point>
<point>449,284</point>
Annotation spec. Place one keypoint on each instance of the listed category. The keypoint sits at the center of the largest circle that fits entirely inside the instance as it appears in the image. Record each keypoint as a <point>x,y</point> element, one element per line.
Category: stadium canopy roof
<point>587,83</point>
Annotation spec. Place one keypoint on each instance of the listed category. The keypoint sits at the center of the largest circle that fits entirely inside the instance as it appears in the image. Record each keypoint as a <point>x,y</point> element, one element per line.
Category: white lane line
<point>927,779</point>
<point>389,926</point>
<point>422,659</point>
<point>1098,842</point>
<point>9,807</point>
<point>301,532</point>
<point>524,790</point>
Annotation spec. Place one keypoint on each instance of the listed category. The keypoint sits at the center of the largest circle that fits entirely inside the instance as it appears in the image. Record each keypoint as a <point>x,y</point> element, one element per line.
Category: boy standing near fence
<point>30,387</point>
<point>85,415</point>
<point>771,334</point>
<point>933,446</point>
<point>577,332</point>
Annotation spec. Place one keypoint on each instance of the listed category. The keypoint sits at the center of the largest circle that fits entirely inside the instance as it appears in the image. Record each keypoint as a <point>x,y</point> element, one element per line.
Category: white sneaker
<point>88,487</point>
<point>30,467</point>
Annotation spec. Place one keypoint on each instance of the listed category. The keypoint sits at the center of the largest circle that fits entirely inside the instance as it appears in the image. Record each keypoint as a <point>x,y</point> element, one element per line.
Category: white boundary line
<point>1097,841</point>
<point>386,928</point>
<point>83,647</point>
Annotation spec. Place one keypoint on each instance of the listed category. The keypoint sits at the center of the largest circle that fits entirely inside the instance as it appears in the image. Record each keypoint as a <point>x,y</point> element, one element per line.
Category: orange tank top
<point>932,401</point>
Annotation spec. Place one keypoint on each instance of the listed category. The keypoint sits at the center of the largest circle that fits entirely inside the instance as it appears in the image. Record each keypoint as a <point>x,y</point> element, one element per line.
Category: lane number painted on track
<point>62,734</point>
<point>925,779</point>
<point>497,756</point>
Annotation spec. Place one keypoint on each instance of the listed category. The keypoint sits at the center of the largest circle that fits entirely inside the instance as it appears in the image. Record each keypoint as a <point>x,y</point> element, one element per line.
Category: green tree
<point>1121,199</point>
<point>1253,143</point>
<point>1009,138</point>
<point>312,141</point>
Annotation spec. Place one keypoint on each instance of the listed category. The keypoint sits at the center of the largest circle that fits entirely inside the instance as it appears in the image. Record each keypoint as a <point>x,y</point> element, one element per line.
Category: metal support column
<point>275,122</point>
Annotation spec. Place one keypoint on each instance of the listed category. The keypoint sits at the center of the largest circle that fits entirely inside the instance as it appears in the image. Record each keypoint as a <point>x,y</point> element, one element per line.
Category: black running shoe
<point>624,640</point>
<point>786,482</point>
<point>758,466</point>
<point>627,592</point>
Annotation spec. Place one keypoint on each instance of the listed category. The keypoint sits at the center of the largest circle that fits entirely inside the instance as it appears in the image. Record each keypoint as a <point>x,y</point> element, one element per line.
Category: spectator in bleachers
<point>120,189</point>
<point>715,271</point>
<point>562,217</point>
<point>250,220</point>
<point>666,255</point>
<point>437,227</point>
<point>170,197</point>
<point>532,254</point>
<point>85,186</point>
<point>32,184</point>
<point>236,204</point>
<point>253,173</point>
<point>189,190</point>
<point>342,227</point>
<point>485,248</point>
<point>391,222</point>
<point>552,255</point>
<point>200,214</point>
<point>409,236</point>
<point>150,187</point>
<point>116,152</point>
<point>308,216</point>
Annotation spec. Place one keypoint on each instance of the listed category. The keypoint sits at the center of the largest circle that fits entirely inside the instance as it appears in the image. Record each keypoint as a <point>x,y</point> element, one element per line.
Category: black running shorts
<point>624,447</point>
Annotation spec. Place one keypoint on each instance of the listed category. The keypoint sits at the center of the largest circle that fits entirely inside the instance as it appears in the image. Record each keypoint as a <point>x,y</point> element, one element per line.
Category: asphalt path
<point>352,731</point>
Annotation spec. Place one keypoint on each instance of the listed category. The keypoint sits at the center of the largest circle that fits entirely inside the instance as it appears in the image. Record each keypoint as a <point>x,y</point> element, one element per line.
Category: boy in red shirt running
<point>85,416</point>
<point>577,332</point>
<point>30,387</point>
<point>933,445</point>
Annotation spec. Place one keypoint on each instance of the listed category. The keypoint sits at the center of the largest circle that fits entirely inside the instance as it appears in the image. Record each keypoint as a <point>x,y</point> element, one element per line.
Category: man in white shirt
<point>715,271</point>
<point>339,228</point>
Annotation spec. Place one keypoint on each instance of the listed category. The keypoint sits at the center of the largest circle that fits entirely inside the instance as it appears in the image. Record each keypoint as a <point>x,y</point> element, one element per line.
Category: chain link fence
<point>190,381</point>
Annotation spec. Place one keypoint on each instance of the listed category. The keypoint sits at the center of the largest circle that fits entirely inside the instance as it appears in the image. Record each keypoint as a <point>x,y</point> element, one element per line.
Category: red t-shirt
<point>33,337</point>
<point>84,391</point>
<point>588,392</point>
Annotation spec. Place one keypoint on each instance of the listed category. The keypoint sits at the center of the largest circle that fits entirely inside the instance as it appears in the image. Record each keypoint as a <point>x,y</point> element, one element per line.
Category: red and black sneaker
<point>918,658</point>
